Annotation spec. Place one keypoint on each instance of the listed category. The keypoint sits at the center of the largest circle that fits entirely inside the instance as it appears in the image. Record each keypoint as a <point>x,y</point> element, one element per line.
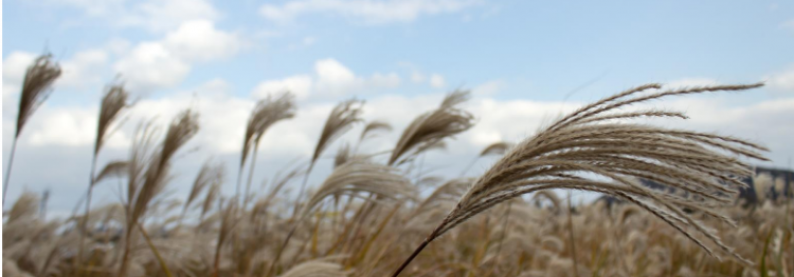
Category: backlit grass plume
<point>343,155</point>
<point>372,127</point>
<point>39,77</point>
<point>113,102</point>
<point>316,269</point>
<point>357,177</point>
<point>210,174</point>
<point>341,119</point>
<point>588,150</point>
<point>149,171</point>
<point>266,113</point>
<point>228,222</point>
<point>354,178</point>
<point>432,127</point>
<point>213,192</point>
<point>112,169</point>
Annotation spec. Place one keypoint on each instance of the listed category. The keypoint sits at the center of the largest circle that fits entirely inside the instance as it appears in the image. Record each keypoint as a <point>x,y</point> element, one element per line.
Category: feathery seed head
<point>39,77</point>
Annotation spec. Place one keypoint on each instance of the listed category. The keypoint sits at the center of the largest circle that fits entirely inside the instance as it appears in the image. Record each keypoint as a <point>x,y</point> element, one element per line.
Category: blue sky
<point>526,62</point>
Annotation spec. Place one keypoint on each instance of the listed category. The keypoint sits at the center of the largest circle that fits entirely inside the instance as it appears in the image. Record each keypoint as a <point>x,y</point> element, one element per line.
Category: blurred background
<point>526,62</point>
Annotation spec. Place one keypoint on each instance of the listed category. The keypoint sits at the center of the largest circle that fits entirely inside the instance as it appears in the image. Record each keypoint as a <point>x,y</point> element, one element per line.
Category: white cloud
<point>14,67</point>
<point>385,80</point>
<point>153,15</point>
<point>162,15</point>
<point>783,81</point>
<point>489,88</point>
<point>417,77</point>
<point>63,127</point>
<point>333,74</point>
<point>370,11</point>
<point>434,80</point>
<point>437,81</point>
<point>512,120</point>
<point>335,79</point>
<point>299,85</point>
<point>94,7</point>
<point>222,117</point>
<point>15,64</point>
<point>162,64</point>
<point>150,66</point>
<point>118,46</point>
<point>199,40</point>
<point>331,78</point>
<point>83,69</point>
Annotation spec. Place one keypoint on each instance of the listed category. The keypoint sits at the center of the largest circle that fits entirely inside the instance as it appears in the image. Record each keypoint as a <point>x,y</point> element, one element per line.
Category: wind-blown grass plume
<point>26,206</point>
<point>432,127</point>
<point>210,174</point>
<point>494,149</point>
<point>372,128</point>
<point>354,179</point>
<point>181,130</point>
<point>112,169</point>
<point>316,269</point>
<point>762,184</point>
<point>555,201</point>
<point>357,177</point>
<point>433,208</point>
<point>341,119</point>
<point>587,143</point>
<point>228,222</point>
<point>447,193</point>
<point>149,171</point>
<point>29,243</point>
<point>343,155</point>
<point>266,113</point>
<point>212,194</point>
<point>370,131</point>
<point>276,186</point>
<point>113,102</point>
<point>39,77</point>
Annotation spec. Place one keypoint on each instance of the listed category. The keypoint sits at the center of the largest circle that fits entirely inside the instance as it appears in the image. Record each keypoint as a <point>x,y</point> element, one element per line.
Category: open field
<point>375,214</point>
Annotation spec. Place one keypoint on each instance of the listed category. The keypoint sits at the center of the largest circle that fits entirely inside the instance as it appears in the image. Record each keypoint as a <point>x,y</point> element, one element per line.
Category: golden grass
<point>368,215</point>
<point>39,77</point>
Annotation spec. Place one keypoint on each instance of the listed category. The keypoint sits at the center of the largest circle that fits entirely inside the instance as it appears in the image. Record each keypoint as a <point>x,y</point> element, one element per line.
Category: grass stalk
<point>8,169</point>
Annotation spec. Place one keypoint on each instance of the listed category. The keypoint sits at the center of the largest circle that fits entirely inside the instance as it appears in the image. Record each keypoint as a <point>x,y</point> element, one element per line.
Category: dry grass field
<point>372,217</point>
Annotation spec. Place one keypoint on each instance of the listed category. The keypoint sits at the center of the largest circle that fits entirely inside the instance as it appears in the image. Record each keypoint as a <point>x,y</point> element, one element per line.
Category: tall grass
<point>341,119</point>
<point>380,215</point>
<point>587,143</point>
<point>39,77</point>
<point>266,113</point>
<point>113,103</point>
<point>149,172</point>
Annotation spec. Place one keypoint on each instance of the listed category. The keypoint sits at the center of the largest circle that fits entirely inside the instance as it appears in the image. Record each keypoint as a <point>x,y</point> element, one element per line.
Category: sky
<point>526,63</point>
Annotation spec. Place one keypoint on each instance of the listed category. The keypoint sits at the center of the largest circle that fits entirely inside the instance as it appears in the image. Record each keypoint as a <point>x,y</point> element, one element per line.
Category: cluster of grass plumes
<point>611,240</point>
<point>372,211</point>
<point>586,151</point>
